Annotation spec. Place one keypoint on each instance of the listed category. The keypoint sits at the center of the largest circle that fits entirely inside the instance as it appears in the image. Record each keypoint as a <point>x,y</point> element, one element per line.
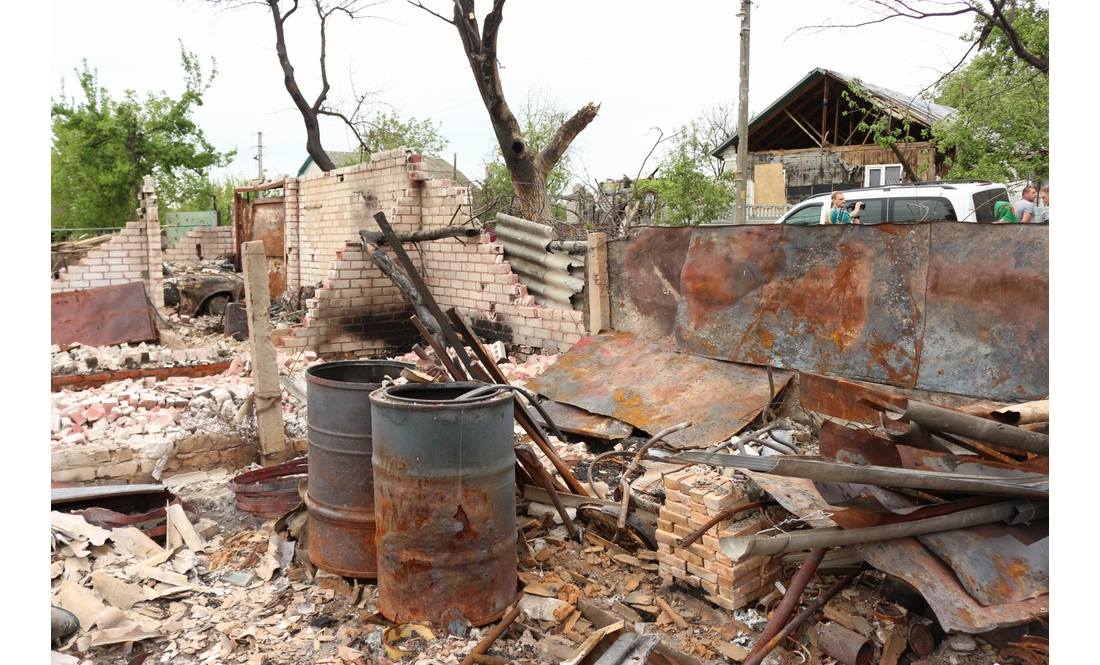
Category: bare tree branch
<point>527,170</point>
<point>994,17</point>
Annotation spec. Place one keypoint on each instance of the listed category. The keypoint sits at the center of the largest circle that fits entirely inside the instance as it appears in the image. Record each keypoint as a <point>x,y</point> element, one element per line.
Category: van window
<point>921,209</point>
<point>984,202</point>
<point>807,216</point>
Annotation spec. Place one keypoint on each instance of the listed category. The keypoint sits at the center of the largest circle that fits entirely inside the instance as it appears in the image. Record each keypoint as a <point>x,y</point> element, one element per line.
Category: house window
<point>882,174</point>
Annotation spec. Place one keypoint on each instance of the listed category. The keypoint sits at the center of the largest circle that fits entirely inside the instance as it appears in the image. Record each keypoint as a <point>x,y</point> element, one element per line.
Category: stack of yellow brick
<point>691,500</point>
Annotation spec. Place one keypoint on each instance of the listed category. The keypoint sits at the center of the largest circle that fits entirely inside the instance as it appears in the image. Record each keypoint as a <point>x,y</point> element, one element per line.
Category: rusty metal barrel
<point>444,493</point>
<point>340,499</point>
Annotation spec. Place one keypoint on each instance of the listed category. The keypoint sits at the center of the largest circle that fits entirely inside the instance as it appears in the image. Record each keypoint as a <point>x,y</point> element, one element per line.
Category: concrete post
<point>151,273</point>
<point>265,373</point>
<point>598,286</point>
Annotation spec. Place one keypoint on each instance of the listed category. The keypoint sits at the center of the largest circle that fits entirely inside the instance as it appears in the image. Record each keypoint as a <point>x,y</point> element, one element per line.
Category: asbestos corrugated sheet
<point>555,278</point>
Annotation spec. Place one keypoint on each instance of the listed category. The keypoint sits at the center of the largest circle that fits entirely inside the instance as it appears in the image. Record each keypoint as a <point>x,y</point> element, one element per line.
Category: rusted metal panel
<point>644,276</point>
<point>444,496</point>
<point>909,560</point>
<point>103,316</point>
<point>340,499</point>
<point>820,299</point>
<point>578,421</point>
<point>855,446</point>
<point>652,386</point>
<point>987,312</point>
<point>947,307</point>
<point>997,563</point>
<point>842,399</point>
<point>268,217</point>
<point>263,219</point>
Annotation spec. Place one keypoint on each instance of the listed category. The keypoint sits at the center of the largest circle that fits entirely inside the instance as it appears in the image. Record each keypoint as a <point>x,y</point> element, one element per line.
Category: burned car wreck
<point>206,291</point>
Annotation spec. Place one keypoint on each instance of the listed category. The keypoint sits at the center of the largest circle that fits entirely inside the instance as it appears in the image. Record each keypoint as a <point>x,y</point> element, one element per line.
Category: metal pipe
<point>510,616</point>
<point>725,514</point>
<point>1021,485</point>
<point>542,478</point>
<point>738,548</point>
<point>624,482</point>
<point>791,597</point>
<point>751,436</point>
<point>758,655</point>
<point>846,646</point>
<point>939,419</point>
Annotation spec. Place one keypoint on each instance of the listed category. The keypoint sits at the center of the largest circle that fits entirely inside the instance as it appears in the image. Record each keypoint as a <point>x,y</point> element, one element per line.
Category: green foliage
<point>1002,129</point>
<point>538,120</point>
<point>388,131</point>
<point>685,193</point>
<point>214,195</point>
<point>102,148</point>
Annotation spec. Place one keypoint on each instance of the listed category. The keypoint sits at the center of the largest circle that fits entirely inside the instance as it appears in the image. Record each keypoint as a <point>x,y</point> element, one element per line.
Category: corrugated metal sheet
<point>555,278</point>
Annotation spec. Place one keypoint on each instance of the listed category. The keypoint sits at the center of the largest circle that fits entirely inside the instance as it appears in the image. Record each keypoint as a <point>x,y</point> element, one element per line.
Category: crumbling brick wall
<point>133,255</point>
<point>203,242</point>
<point>356,311</point>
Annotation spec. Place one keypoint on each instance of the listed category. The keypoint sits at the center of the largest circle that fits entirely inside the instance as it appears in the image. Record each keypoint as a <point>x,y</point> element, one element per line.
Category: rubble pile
<point>82,359</point>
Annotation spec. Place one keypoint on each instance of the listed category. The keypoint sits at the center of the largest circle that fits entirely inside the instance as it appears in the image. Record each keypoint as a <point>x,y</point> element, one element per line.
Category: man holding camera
<point>839,214</point>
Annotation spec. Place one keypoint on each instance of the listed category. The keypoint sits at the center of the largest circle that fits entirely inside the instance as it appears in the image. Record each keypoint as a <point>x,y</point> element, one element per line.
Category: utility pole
<point>740,216</point>
<point>260,155</point>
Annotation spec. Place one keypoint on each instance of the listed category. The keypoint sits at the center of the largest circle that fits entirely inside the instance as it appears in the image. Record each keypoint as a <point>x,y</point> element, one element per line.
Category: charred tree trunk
<point>309,113</point>
<point>528,169</point>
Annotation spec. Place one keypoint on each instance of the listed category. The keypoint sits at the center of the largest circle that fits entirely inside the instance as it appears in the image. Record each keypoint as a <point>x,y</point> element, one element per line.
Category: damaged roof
<point>897,104</point>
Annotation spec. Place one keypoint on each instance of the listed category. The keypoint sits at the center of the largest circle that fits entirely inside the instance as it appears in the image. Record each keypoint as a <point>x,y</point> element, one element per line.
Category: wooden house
<point>809,142</point>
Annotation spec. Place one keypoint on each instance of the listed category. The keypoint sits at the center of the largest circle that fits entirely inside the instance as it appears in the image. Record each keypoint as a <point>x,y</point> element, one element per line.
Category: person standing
<point>838,214</point>
<point>1025,207</point>
<point>1044,194</point>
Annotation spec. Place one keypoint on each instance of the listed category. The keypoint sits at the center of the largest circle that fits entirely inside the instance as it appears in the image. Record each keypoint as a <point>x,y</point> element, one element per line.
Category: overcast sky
<point>650,64</point>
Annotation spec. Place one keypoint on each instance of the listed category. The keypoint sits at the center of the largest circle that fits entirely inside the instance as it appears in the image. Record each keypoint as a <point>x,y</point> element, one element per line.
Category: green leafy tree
<point>214,195</point>
<point>1002,129</point>
<point>387,130</point>
<point>539,120</point>
<point>689,189</point>
<point>102,148</point>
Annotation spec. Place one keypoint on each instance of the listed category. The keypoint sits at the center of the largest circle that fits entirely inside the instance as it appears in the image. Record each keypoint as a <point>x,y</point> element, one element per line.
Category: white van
<point>907,203</point>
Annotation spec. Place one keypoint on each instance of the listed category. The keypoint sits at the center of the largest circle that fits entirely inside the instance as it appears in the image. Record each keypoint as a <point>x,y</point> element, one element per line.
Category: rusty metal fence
<point>944,306</point>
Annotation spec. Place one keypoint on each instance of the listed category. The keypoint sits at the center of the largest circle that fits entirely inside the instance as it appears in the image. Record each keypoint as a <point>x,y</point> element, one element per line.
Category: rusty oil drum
<point>340,498</point>
<point>444,488</point>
